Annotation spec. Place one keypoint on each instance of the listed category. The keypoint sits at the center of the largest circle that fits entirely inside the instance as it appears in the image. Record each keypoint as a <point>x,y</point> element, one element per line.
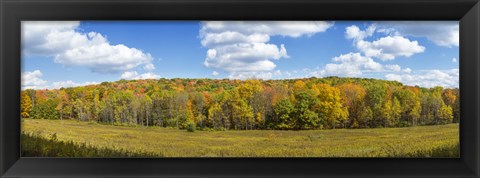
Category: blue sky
<point>66,54</point>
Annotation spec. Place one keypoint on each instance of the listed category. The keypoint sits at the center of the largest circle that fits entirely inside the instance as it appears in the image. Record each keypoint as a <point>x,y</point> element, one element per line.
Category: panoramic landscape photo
<point>102,89</point>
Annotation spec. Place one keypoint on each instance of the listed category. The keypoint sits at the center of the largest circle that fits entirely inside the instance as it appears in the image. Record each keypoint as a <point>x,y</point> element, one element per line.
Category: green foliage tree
<point>45,110</point>
<point>305,101</point>
<point>283,115</point>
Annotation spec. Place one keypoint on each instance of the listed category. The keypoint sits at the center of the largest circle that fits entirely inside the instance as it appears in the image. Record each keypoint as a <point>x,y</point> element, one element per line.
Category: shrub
<point>402,124</point>
<point>191,127</point>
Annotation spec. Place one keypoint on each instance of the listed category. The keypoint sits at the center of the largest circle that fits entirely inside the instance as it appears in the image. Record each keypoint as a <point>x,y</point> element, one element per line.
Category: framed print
<point>243,99</point>
<point>240,88</point>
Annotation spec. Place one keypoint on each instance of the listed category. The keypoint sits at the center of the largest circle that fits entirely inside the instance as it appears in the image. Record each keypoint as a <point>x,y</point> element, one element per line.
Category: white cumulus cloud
<point>353,32</point>
<point>388,48</point>
<point>428,78</point>
<point>349,65</point>
<point>133,75</point>
<point>241,48</point>
<point>69,83</point>
<point>283,28</point>
<point>255,75</point>
<point>33,80</point>
<point>442,33</point>
<point>149,67</point>
<point>70,47</point>
<point>385,48</point>
<point>395,67</point>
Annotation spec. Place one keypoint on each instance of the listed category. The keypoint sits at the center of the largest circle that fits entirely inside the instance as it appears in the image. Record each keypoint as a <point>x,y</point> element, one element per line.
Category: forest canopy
<point>223,104</point>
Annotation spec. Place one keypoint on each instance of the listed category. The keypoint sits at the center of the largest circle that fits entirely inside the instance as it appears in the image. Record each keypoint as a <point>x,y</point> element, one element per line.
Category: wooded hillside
<point>291,104</point>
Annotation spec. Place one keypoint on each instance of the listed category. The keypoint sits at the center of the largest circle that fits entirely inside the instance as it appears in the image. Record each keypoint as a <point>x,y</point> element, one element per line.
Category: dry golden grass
<point>422,141</point>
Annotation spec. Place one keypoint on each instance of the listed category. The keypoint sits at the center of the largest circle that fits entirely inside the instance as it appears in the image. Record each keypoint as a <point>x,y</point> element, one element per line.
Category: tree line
<point>290,104</point>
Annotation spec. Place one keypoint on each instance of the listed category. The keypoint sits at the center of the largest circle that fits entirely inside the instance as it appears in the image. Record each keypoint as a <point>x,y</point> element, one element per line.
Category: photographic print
<point>129,89</point>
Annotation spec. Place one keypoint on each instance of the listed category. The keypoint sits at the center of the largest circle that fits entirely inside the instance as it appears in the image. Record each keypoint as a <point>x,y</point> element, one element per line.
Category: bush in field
<point>191,127</point>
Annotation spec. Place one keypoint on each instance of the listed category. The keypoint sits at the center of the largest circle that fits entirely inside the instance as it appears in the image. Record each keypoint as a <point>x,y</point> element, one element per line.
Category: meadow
<point>69,138</point>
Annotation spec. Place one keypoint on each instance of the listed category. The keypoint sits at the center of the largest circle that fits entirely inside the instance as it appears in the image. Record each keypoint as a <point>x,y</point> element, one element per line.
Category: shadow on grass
<point>36,146</point>
<point>447,151</point>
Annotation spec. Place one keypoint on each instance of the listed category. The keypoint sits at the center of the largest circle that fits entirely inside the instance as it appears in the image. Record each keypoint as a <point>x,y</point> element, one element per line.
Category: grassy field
<point>66,138</point>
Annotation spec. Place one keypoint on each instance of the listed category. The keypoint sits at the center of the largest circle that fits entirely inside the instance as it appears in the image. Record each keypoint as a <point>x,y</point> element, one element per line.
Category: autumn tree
<point>396,112</point>
<point>376,94</point>
<point>25,105</point>
<point>330,106</point>
<point>353,96</point>
<point>450,97</point>
<point>215,116</point>
<point>445,115</point>
<point>147,104</point>
<point>298,86</point>
<point>410,106</point>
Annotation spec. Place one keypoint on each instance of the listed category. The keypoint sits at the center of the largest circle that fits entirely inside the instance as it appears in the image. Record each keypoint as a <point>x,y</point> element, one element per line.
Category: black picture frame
<point>12,12</point>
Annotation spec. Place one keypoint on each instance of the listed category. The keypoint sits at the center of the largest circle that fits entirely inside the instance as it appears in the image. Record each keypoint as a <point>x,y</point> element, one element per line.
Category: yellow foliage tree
<point>250,87</point>
<point>330,106</point>
<point>353,96</point>
<point>445,114</point>
<point>26,105</point>
<point>298,86</point>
